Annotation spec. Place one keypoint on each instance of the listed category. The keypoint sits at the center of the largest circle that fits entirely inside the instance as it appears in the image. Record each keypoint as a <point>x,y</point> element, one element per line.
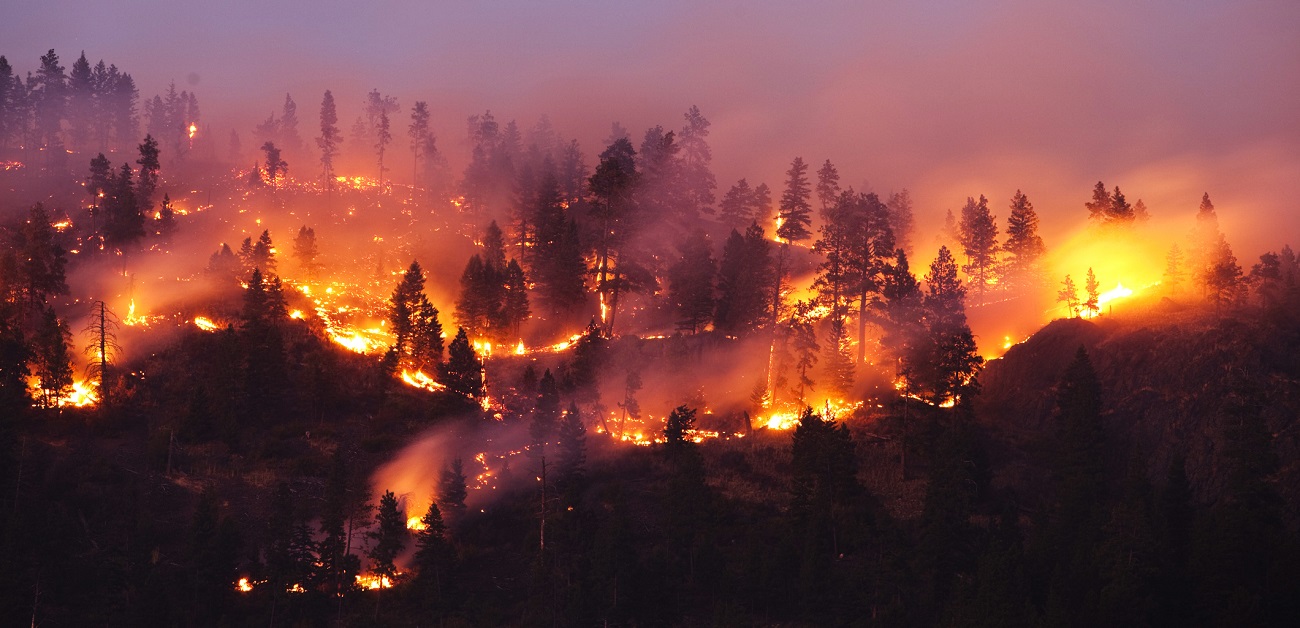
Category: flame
<point>62,225</point>
<point>1118,292</point>
<point>205,323</point>
<point>418,379</point>
<point>416,524</point>
<point>520,349</point>
<point>296,314</point>
<point>193,129</point>
<point>244,585</point>
<point>83,394</point>
<point>374,581</point>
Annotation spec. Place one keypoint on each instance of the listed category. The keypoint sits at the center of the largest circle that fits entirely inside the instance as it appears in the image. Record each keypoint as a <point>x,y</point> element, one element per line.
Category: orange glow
<point>205,323</point>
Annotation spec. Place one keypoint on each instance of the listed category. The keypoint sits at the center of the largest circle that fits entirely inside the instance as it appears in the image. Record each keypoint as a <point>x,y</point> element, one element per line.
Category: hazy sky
<point>948,98</point>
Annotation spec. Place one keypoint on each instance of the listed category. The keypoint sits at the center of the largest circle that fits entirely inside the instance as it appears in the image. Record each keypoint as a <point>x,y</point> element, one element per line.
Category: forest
<point>300,376</point>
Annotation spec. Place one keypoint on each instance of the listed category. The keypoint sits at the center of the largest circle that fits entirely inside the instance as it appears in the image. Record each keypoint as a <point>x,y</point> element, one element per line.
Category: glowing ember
<point>244,585</point>
<point>205,323</point>
<point>62,225</point>
<point>296,314</point>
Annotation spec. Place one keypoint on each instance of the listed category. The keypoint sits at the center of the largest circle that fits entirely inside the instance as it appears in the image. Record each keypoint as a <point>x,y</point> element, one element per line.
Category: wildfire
<point>296,314</point>
<point>374,581</point>
<point>245,585</point>
<point>193,129</point>
<point>62,225</point>
<point>83,394</point>
<point>418,379</point>
<point>520,349</point>
<point>416,524</point>
<point>205,323</point>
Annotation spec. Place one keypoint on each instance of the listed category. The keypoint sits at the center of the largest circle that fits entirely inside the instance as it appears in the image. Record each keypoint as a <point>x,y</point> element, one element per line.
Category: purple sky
<point>948,98</point>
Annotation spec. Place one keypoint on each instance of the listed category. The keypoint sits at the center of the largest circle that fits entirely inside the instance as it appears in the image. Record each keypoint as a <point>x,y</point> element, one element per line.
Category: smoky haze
<point>944,98</point>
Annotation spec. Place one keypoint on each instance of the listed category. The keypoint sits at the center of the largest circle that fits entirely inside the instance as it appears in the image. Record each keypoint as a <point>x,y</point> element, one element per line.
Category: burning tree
<point>462,373</point>
<point>103,347</point>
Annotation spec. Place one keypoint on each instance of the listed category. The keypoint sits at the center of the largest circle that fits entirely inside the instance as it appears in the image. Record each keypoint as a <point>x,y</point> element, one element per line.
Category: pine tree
<point>289,138</point>
<point>795,215</point>
<point>389,537</point>
<point>276,167</point>
<point>572,452</point>
<point>691,283</point>
<point>744,275</point>
<point>514,301</point>
<point>1099,208</point>
<point>901,220</point>
<point>978,232</point>
<point>1091,305</point>
<point>41,261</point>
<point>949,362</point>
<point>329,139</point>
<point>838,362</point>
<point>81,103</point>
<point>433,553</point>
<point>53,364</point>
<point>557,267</point>
<point>737,205</point>
<point>305,249</point>
<point>1023,246</point>
<point>147,179</point>
<point>803,342</point>
<point>696,156</point>
<point>426,336</point>
<point>419,134</point>
<point>462,373</point>
<point>451,487</point>
<point>1069,295</point>
<point>828,186</point>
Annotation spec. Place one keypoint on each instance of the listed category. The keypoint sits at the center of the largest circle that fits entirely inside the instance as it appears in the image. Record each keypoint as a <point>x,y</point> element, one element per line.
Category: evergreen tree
<point>451,486</point>
<point>838,363</point>
<point>1092,304</point>
<point>1069,295</point>
<point>828,186</point>
<point>696,157</point>
<point>147,180</point>
<point>388,538</point>
<point>1024,247</point>
<point>572,453</point>
<point>124,218</point>
<point>276,166</point>
<point>81,103</point>
<point>737,205</point>
<point>433,553</point>
<point>947,372</point>
<point>329,139</point>
<point>404,308</point>
<point>514,301</point>
<point>52,361</point>
<point>337,564</point>
<point>803,342</point>
<point>50,96</point>
<point>761,207</point>
<point>289,137</point>
<point>978,232</point>
<point>557,265</point>
<point>613,213</point>
<point>419,134</point>
<point>744,274</point>
<point>41,261</point>
<point>901,220</point>
<point>690,283</point>
<point>462,373</point>
<point>305,249</point>
<point>1099,208</point>
<point>795,216</point>
<point>426,335</point>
